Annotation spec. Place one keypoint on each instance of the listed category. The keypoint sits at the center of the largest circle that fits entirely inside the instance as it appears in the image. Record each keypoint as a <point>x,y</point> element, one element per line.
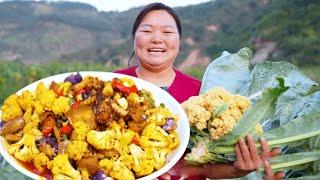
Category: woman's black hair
<point>146,10</point>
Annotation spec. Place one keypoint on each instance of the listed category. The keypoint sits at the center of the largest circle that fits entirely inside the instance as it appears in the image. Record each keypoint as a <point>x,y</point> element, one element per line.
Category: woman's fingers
<point>275,151</point>
<point>245,153</point>
<point>267,169</point>
<point>239,163</point>
<point>265,148</point>
<point>269,174</point>
<point>279,175</point>
<point>253,151</point>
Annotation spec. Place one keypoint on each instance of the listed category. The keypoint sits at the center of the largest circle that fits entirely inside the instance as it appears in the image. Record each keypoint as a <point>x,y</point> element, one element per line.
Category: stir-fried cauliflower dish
<point>87,128</point>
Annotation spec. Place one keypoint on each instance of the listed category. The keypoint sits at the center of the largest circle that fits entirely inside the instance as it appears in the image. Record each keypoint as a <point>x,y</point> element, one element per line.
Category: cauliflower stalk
<point>201,148</point>
<point>24,150</point>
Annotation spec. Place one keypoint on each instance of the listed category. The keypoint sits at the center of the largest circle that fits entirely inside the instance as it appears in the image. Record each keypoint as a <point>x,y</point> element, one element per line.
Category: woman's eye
<point>146,31</point>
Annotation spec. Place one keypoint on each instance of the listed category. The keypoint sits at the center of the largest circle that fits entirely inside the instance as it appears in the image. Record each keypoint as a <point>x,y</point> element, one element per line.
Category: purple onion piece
<point>74,79</point>
<point>169,125</point>
<point>99,175</point>
<point>1,124</point>
<point>50,141</point>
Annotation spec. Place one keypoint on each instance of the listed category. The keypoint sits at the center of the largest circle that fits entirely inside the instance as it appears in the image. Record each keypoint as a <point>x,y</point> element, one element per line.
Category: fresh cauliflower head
<point>217,110</point>
<point>62,169</point>
<point>197,115</point>
<point>25,149</point>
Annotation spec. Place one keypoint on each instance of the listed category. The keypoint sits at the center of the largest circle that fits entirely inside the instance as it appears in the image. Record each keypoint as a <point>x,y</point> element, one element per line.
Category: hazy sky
<point>121,5</point>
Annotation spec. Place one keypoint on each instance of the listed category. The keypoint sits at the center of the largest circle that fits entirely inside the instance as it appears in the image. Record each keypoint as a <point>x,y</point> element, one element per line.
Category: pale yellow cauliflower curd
<point>217,110</point>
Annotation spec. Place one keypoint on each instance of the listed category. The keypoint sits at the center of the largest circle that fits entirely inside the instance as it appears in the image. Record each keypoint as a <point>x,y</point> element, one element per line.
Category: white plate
<point>159,95</point>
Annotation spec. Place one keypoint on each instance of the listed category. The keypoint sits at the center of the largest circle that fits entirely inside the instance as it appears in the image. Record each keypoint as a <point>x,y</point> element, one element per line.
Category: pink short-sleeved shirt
<point>183,86</point>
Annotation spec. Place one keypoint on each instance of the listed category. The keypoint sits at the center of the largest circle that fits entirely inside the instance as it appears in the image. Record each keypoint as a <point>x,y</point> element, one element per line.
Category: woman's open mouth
<point>156,51</point>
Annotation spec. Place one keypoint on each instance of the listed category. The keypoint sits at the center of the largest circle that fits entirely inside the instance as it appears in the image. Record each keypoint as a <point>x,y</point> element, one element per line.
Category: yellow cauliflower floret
<point>45,96</point>
<point>102,140</point>
<point>61,105</point>
<point>144,161</point>
<point>38,107</point>
<point>173,140</point>
<point>32,123</point>
<point>40,161</point>
<point>127,160</point>
<point>26,100</point>
<point>85,175</point>
<point>158,115</point>
<point>134,98</point>
<point>11,108</point>
<point>80,130</point>
<point>76,149</point>
<point>106,165</point>
<point>25,149</point>
<point>65,88</point>
<point>197,115</point>
<point>258,129</point>
<point>154,136</point>
<point>62,169</point>
<point>218,93</point>
<point>159,155</point>
<point>107,90</point>
<point>121,171</point>
<point>236,113</point>
<point>242,102</point>
<point>124,140</point>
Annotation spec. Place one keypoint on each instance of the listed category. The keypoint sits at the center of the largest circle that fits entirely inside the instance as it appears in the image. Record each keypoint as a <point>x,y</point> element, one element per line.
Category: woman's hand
<point>248,159</point>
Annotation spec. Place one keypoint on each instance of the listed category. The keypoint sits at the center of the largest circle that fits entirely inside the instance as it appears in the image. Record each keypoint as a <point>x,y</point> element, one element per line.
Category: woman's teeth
<point>156,50</point>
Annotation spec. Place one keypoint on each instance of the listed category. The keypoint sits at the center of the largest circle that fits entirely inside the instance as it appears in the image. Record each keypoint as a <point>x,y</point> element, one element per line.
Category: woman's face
<point>157,40</point>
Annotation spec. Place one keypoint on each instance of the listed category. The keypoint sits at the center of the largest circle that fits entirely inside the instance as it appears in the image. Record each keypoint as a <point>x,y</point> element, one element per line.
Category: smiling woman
<point>156,34</point>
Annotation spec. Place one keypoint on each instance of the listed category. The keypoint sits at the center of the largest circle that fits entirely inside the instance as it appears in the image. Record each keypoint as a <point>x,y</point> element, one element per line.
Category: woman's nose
<point>156,37</point>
